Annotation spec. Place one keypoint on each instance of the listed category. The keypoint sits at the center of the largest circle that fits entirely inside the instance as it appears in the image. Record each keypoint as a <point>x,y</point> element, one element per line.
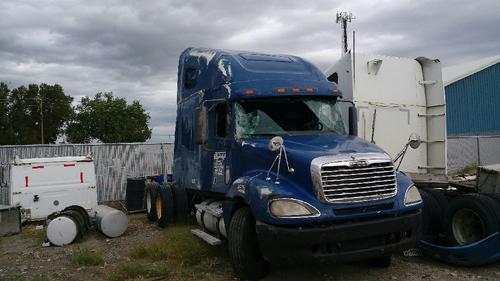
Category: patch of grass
<point>134,270</point>
<point>29,231</point>
<point>86,257</point>
<point>177,244</point>
<point>188,257</point>
<point>40,278</point>
<point>17,278</point>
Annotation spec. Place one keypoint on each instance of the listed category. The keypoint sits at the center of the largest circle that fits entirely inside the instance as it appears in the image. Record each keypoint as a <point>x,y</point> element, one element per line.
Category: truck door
<point>218,147</point>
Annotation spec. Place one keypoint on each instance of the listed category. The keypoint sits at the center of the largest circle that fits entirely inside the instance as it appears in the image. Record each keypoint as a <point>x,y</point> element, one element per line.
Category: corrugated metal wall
<point>473,104</point>
<point>114,163</point>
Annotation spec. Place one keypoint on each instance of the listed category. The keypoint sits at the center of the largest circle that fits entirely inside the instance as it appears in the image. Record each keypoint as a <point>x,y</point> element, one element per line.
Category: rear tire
<point>432,215</point>
<point>382,262</point>
<point>243,246</point>
<point>152,189</point>
<point>181,204</point>
<point>165,206</point>
<point>472,217</point>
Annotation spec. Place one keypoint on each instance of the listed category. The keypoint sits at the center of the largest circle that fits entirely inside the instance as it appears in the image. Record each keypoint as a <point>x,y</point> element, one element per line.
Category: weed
<point>189,257</point>
<point>467,170</point>
<point>86,257</point>
<point>177,244</point>
<point>30,232</point>
<point>40,278</point>
<point>134,270</point>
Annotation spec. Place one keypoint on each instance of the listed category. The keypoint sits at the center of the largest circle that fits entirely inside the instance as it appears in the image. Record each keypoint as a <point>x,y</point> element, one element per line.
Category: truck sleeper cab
<point>266,149</point>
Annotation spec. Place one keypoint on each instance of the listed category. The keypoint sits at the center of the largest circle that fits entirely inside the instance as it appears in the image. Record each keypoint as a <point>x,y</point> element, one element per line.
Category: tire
<point>152,189</point>
<point>84,214</point>
<point>180,204</point>
<point>440,197</point>
<point>165,206</point>
<point>382,262</point>
<point>471,217</point>
<point>79,219</point>
<point>432,216</point>
<point>243,246</point>
<point>495,196</point>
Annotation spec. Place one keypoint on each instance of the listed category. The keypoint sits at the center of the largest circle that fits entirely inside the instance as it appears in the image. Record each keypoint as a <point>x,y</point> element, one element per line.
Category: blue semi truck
<point>266,157</point>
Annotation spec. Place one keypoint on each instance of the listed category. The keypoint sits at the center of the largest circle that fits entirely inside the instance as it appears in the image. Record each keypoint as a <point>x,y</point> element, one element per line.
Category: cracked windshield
<point>291,116</point>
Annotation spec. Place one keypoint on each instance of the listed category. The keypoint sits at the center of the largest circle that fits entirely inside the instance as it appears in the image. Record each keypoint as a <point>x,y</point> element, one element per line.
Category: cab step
<point>207,237</point>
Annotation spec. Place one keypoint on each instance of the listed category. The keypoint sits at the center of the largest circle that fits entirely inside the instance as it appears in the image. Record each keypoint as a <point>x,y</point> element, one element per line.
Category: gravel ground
<point>22,258</point>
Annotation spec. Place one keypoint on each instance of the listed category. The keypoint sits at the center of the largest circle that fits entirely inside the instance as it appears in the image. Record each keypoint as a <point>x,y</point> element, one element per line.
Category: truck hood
<point>308,147</point>
<point>301,150</point>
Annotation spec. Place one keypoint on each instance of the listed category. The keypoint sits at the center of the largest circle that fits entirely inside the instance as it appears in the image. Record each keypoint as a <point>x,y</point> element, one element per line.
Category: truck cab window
<point>221,120</point>
<point>190,76</point>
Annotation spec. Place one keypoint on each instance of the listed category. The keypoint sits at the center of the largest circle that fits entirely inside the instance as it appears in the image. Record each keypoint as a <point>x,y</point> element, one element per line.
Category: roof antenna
<point>343,18</point>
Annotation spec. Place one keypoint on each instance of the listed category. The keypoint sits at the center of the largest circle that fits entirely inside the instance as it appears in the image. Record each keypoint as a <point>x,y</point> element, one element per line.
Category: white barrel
<point>62,230</point>
<point>111,222</point>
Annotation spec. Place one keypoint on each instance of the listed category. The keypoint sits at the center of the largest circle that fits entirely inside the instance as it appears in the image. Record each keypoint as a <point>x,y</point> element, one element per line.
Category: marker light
<point>249,92</point>
<point>295,90</point>
<point>335,90</point>
<point>310,90</point>
<point>280,90</point>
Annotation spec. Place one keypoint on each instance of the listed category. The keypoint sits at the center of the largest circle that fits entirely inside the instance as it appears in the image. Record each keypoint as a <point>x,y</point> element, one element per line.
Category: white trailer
<point>396,97</point>
<point>42,186</point>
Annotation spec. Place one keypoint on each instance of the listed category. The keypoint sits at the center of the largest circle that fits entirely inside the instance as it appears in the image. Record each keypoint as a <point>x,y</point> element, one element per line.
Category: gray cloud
<point>131,47</point>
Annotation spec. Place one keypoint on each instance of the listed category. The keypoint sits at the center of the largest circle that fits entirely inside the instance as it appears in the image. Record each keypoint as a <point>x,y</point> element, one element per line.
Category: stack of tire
<point>166,204</point>
<point>462,219</point>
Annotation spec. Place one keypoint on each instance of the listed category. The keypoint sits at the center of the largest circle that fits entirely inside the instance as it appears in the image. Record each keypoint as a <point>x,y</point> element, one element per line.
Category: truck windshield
<point>286,116</point>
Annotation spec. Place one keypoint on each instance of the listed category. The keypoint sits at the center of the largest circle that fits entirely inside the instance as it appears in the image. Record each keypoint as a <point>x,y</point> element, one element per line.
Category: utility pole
<point>343,18</point>
<point>41,119</point>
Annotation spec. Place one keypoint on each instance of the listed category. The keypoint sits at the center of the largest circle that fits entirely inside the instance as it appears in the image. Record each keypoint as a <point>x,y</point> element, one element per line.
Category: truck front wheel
<point>243,247</point>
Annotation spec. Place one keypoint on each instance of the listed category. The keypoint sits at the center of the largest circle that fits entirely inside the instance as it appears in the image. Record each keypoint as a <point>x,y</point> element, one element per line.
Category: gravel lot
<point>182,257</point>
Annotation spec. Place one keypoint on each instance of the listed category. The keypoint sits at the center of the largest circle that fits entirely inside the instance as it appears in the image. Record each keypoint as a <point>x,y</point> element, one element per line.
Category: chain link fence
<point>114,163</point>
<point>472,150</point>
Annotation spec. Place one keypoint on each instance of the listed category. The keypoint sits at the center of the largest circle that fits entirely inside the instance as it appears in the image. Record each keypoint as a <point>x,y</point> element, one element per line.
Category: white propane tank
<point>62,230</point>
<point>111,222</point>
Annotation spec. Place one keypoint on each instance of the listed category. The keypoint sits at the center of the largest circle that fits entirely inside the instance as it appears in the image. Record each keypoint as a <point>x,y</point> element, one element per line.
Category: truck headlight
<point>288,207</point>
<point>412,196</point>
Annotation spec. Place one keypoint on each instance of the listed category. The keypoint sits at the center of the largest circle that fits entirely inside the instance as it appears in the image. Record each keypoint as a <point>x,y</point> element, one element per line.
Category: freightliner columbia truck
<point>266,154</point>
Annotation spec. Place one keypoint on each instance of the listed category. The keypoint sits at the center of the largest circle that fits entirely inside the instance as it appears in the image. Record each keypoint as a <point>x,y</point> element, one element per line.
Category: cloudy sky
<point>131,48</point>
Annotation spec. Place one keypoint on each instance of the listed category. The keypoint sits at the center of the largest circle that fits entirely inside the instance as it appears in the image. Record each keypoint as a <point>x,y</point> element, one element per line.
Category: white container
<point>396,97</point>
<point>42,186</point>
<point>62,230</point>
<point>111,222</point>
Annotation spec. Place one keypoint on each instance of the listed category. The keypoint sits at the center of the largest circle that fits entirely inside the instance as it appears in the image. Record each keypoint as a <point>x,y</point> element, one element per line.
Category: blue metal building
<point>473,98</point>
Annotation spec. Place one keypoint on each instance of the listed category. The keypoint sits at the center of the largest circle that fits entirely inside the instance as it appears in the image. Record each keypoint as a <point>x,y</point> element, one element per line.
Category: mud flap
<point>479,253</point>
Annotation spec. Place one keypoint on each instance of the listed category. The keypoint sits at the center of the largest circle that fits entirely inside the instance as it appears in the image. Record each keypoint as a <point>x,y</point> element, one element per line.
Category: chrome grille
<point>355,179</point>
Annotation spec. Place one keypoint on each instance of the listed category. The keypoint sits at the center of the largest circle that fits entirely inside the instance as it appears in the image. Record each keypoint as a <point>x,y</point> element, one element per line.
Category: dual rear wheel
<point>166,204</point>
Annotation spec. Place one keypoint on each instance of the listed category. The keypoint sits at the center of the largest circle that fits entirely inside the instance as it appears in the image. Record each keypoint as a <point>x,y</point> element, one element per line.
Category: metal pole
<point>41,118</point>
<point>478,152</point>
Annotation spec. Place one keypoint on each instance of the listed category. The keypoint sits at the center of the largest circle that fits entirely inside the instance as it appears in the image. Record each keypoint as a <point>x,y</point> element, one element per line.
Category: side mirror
<point>353,121</point>
<point>200,125</point>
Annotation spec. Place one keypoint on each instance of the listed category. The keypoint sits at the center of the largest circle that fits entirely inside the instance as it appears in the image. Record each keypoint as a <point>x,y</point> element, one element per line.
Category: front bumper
<point>345,241</point>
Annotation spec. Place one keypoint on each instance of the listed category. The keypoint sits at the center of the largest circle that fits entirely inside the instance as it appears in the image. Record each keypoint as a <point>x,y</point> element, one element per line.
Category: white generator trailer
<point>397,98</point>
<point>42,186</point>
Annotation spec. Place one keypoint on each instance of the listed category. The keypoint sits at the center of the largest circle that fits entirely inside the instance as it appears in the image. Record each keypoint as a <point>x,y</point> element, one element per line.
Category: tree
<point>108,119</point>
<point>6,132</point>
<point>27,113</point>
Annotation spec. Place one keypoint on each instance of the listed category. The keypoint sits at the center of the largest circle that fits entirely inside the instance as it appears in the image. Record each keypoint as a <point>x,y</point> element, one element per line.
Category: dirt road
<point>147,252</point>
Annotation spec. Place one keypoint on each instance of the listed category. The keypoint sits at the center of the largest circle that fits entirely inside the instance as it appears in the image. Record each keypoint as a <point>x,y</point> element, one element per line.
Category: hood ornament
<point>277,144</point>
